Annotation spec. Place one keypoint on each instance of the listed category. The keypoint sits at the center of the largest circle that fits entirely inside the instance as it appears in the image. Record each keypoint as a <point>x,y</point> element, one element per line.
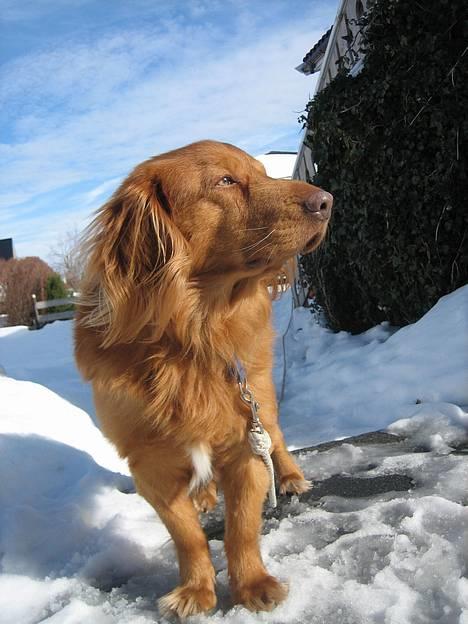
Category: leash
<point>260,441</point>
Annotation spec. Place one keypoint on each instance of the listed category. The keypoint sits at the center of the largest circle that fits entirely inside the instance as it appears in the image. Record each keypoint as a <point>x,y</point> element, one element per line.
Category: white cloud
<point>101,191</point>
<point>90,112</point>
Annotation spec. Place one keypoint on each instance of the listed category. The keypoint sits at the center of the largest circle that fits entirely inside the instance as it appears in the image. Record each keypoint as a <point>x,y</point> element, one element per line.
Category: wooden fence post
<point>36,313</point>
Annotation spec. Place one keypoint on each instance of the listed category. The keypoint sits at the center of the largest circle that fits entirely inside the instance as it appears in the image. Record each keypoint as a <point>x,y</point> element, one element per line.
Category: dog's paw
<point>294,483</point>
<point>261,595</point>
<point>206,498</point>
<point>187,600</point>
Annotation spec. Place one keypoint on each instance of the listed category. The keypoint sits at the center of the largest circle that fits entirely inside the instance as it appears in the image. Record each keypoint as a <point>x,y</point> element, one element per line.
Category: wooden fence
<point>42,318</point>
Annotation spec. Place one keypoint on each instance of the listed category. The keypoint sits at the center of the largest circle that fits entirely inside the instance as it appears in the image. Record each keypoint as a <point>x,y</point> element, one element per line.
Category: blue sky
<point>89,88</point>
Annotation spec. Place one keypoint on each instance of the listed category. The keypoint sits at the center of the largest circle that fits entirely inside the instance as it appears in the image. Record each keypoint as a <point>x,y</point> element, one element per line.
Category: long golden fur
<point>182,262</point>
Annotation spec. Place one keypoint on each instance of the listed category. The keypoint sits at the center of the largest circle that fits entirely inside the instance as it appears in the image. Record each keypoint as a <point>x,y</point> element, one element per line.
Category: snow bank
<point>45,357</point>
<point>339,385</point>
<point>436,427</point>
<point>69,517</point>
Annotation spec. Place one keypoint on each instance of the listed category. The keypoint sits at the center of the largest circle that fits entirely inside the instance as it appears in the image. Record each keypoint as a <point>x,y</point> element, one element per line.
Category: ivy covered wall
<point>391,145</point>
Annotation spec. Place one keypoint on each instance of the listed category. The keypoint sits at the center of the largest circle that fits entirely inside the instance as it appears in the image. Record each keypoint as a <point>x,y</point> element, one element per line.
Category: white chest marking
<point>202,470</point>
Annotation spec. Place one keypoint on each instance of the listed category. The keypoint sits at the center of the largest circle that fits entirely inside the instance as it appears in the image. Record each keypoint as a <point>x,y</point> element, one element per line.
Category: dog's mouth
<point>312,243</point>
<point>262,262</point>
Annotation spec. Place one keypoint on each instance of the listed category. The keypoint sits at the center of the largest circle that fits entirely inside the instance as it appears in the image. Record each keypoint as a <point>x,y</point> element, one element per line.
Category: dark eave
<point>314,55</point>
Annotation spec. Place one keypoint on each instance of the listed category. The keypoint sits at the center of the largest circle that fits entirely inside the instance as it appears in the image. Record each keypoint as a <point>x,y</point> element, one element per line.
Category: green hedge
<point>56,289</point>
<point>391,145</point>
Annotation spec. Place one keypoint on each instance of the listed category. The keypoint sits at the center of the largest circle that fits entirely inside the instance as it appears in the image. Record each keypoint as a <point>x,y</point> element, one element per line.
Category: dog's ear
<point>138,262</point>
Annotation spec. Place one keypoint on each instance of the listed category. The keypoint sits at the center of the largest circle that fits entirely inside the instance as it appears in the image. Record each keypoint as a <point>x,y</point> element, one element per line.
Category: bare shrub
<point>22,278</point>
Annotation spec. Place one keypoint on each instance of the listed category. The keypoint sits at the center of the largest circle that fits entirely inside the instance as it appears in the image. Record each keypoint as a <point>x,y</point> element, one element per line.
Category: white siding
<point>337,47</point>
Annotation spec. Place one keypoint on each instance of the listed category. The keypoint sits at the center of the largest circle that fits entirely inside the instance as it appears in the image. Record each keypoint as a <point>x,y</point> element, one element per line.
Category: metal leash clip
<point>248,398</point>
<point>259,440</point>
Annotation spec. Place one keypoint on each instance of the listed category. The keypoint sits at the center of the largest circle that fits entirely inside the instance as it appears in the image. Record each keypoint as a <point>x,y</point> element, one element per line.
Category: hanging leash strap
<point>260,441</point>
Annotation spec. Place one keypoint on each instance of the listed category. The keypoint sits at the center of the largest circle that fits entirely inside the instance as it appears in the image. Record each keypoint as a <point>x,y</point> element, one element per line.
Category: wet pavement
<point>338,485</point>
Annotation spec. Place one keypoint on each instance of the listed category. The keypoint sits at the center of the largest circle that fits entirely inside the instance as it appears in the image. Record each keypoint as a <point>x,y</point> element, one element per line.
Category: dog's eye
<point>226,181</point>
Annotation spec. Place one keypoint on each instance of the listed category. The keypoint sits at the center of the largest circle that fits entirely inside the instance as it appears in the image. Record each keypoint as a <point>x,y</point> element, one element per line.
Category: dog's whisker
<point>271,253</point>
<point>258,242</point>
<point>259,250</point>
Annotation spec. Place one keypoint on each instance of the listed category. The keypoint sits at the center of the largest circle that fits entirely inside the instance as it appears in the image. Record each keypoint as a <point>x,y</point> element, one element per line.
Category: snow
<point>45,357</point>
<point>78,545</point>
<point>340,385</point>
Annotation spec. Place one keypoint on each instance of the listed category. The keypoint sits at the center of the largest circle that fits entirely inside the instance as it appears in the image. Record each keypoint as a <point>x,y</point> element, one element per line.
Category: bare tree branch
<point>66,258</point>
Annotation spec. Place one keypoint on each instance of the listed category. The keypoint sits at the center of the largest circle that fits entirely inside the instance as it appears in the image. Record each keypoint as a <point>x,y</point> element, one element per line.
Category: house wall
<point>348,11</point>
<point>6,249</point>
<point>279,165</point>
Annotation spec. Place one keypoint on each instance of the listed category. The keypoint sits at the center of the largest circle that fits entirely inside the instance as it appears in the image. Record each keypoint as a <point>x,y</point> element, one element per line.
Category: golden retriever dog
<point>178,288</point>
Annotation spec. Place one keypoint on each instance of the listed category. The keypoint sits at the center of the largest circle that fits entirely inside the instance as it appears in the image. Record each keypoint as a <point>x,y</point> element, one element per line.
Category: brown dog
<point>178,287</point>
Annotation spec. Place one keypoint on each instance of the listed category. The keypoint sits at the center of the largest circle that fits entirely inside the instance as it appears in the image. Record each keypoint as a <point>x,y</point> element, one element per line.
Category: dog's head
<point>203,214</point>
<point>230,213</point>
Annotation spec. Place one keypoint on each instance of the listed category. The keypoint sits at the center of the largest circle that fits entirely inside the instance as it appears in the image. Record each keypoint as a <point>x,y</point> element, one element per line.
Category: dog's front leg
<point>290,476</point>
<point>245,483</point>
<point>163,486</point>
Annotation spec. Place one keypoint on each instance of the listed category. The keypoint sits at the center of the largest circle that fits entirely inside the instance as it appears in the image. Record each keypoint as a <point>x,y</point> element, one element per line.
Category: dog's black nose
<point>319,204</point>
